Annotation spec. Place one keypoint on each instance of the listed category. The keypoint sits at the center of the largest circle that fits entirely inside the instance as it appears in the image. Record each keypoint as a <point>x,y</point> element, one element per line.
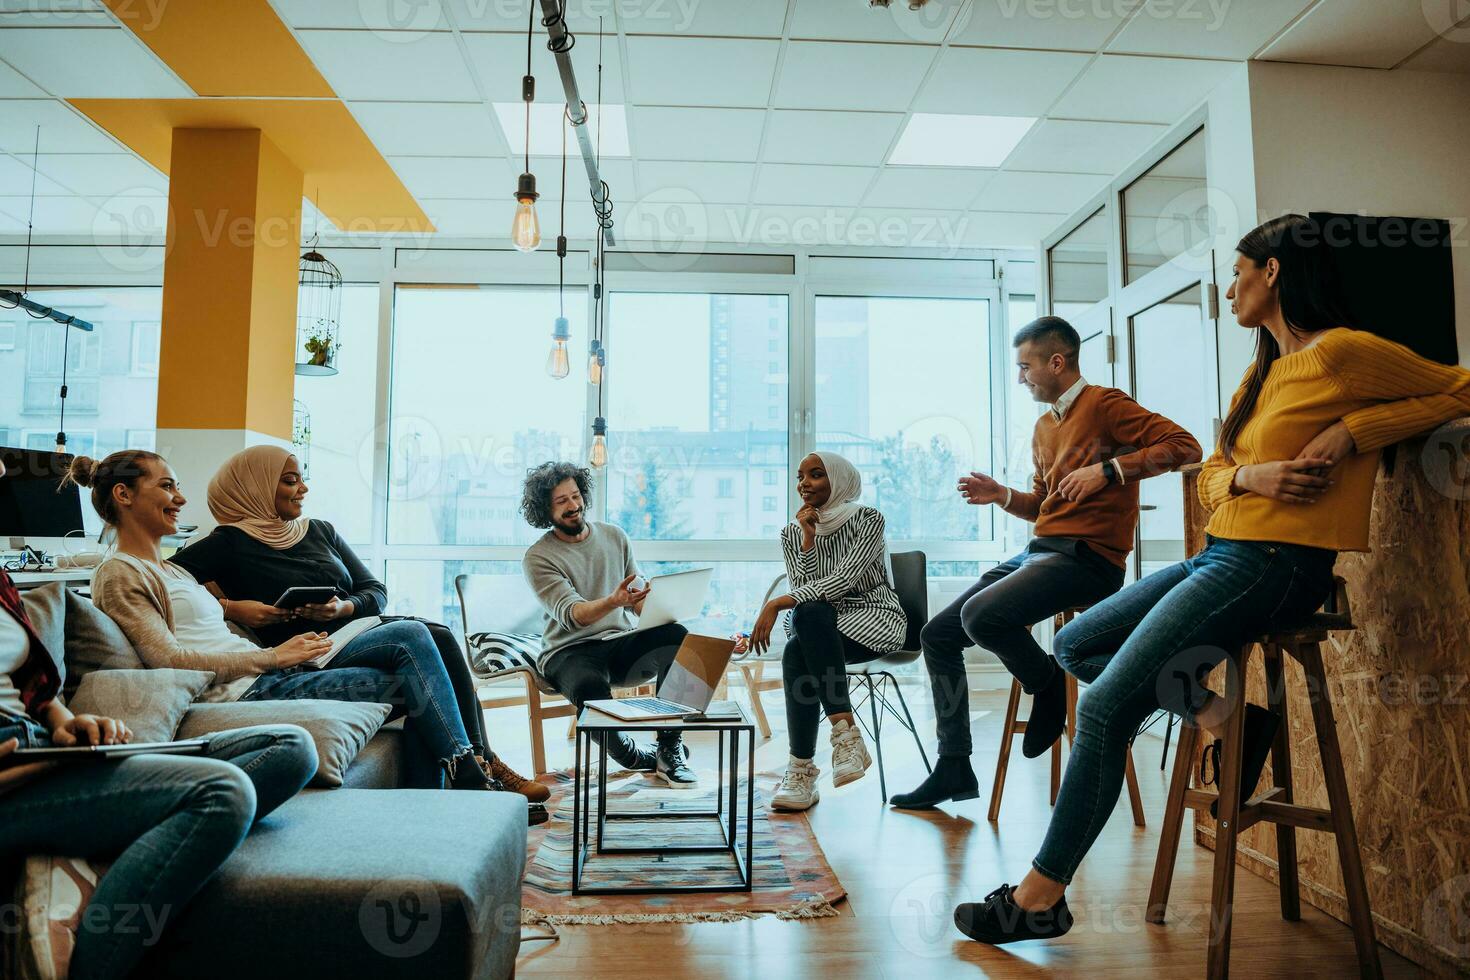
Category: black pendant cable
<point>525,229</point>
<point>597,363</point>
<point>558,363</point>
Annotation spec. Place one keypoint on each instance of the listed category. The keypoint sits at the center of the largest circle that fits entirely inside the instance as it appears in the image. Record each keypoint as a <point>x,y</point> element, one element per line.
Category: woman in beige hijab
<point>264,545</point>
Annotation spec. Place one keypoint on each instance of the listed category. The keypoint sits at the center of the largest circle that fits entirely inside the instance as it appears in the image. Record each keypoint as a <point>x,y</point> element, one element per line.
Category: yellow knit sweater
<point>1381,390</point>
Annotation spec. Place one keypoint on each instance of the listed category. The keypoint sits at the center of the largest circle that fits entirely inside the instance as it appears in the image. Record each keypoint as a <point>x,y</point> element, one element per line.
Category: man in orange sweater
<point>1090,451</point>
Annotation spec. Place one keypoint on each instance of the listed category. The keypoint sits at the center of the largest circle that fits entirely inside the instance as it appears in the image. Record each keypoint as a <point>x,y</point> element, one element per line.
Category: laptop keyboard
<point>655,704</point>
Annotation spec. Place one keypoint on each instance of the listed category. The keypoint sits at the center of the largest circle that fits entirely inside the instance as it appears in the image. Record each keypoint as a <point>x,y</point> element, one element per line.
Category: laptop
<point>679,595</point>
<point>687,689</point>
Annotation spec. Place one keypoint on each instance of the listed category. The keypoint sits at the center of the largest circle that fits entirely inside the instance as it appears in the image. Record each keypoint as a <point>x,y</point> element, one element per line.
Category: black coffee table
<point>725,814</point>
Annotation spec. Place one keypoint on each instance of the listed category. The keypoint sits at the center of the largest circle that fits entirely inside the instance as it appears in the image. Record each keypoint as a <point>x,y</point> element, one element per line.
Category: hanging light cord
<point>530,29</point>
<point>561,258</point>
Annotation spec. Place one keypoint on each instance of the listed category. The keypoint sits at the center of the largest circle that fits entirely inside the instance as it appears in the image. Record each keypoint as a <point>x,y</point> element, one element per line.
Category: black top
<point>244,568</point>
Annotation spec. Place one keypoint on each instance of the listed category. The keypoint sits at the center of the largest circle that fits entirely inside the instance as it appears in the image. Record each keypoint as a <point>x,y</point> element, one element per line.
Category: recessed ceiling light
<point>546,122</point>
<point>933,139</point>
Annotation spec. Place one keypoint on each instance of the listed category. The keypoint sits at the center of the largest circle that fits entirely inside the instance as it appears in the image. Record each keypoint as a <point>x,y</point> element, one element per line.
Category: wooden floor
<point>904,872</point>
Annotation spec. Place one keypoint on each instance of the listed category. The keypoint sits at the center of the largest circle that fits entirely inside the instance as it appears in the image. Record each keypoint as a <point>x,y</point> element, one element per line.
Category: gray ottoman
<point>362,883</point>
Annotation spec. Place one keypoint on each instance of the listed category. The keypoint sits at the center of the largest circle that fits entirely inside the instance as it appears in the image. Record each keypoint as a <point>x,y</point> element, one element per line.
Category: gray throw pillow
<point>150,702</point>
<point>94,641</point>
<point>339,728</point>
<point>45,607</point>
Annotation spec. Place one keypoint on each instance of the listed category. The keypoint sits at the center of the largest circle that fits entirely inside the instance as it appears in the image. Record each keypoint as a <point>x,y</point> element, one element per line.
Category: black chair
<point>911,582</point>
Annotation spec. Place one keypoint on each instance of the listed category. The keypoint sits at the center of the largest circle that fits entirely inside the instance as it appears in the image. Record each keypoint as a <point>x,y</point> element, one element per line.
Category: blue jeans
<point>1150,646</point>
<point>396,664</point>
<point>167,822</point>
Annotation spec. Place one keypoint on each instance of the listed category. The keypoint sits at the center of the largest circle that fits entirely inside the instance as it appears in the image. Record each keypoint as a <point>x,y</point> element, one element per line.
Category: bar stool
<point>1275,805</point>
<point>1014,727</point>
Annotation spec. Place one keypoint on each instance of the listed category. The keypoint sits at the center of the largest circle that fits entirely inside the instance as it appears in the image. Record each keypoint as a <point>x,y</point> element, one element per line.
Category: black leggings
<point>457,666</point>
<point>814,668</point>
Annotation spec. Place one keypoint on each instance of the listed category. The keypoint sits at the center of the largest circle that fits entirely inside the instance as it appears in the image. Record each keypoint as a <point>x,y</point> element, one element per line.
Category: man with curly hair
<point>588,584</point>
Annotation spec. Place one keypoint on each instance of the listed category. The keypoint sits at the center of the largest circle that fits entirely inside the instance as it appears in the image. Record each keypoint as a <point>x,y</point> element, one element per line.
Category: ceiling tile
<point>695,71</point>
<point>706,181</point>
<point>1446,54</point>
<point>1042,26</point>
<point>117,65</point>
<point>858,21</point>
<point>134,218</point>
<point>617,174</point>
<point>826,75</point>
<point>907,228</point>
<point>672,133</point>
<point>784,183</point>
<point>14,85</point>
<point>56,215</point>
<point>473,217</point>
<point>63,129</point>
<point>678,227</point>
<point>814,136</point>
<point>16,176</point>
<point>1236,29</point>
<point>365,65</point>
<point>1046,192</point>
<point>926,187</point>
<point>988,81</point>
<point>429,128</point>
<point>43,14</point>
<point>1007,229</point>
<point>455,177</point>
<point>380,16</point>
<point>500,62</point>
<point>748,18</point>
<point>582,17</point>
<point>1082,146</point>
<point>103,174</point>
<point>1363,33</point>
<point>1129,89</point>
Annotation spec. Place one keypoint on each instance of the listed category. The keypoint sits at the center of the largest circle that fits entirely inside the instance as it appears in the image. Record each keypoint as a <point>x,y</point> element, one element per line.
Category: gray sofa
<point>368,880</point>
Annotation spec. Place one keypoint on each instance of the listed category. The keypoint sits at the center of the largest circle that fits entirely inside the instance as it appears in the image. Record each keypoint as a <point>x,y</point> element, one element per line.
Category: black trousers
<point>589,671</point>
<point>457,666</point>
<point>814,673</point>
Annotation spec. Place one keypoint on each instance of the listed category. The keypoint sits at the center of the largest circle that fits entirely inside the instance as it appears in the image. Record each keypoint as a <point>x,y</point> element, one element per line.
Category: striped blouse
<point>848,568</point>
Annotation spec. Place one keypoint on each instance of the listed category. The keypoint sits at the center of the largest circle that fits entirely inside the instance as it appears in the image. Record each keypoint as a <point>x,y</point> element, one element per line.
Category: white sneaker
<point>850,757</point>
<point>798,789</point>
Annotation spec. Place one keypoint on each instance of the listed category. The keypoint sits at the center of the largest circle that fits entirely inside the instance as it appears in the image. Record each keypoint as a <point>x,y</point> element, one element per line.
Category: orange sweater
<point>1103,423</point>
<point>1381,390</point>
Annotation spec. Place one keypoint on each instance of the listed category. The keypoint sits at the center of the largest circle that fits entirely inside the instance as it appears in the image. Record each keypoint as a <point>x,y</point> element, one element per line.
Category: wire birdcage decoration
<point>301,435</point>
<point>318,314</point>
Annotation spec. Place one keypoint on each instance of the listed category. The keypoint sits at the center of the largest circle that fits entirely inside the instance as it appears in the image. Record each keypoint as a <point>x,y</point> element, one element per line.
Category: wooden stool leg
<point>752,689</point>
<point>1070,731</point>
<point>1291,903</point>
<point>1227,824</point>
<point>538,737</point>
<point>1135,800</point>
<point>1359,912</point>
<point>1006,734</point>
<point>1184,755</point>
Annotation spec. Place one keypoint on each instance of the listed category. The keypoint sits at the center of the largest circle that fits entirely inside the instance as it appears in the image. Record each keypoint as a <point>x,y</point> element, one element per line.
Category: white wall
<point>1359,140</point>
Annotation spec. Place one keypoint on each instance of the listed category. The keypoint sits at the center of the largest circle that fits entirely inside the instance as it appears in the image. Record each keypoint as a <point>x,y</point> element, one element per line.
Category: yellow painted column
<point>226,367</point>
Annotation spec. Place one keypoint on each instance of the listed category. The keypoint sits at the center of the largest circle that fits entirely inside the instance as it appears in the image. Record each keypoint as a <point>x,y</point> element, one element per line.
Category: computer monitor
<point>33,503</point>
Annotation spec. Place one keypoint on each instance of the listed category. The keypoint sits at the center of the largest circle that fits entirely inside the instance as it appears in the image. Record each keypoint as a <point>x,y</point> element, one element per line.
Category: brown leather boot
<point>533,791</point>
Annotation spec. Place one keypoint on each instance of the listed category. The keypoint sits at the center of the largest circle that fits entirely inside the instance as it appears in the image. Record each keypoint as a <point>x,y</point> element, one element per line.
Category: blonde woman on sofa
<point>264,545</point>
<point>173,621</point>
<point>165,822</point>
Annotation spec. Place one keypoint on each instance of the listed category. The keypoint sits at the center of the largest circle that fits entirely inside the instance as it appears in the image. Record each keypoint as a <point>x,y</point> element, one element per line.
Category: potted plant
<point>322,350</point>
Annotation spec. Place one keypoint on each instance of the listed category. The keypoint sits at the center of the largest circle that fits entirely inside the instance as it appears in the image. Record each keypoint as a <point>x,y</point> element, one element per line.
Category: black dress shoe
<point>1260,733</point>
<point>999,920</point>
<point>1048,716</point>
<point>952,779</point>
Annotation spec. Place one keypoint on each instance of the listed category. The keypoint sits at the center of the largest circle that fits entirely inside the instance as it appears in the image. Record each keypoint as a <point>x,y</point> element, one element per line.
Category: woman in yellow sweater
<point>1290,485</point>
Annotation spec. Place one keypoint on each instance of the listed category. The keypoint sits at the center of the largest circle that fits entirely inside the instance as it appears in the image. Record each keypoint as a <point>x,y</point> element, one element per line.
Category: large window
<point>696,386</point>
<point>333,431</point>
<point>903,390</point>
<point>111,372</point>
<point>472,407</point>
<point>1166,212</point>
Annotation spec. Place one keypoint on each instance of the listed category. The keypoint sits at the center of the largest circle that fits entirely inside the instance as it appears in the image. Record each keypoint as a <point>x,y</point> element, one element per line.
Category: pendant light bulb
<point>596,360</point>
<point>559,362</point>
<point>525,228</point>
<point>597,457</point>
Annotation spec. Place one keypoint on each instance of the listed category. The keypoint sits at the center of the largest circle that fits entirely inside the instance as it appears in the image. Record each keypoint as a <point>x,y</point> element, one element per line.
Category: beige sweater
<point>135,594</point>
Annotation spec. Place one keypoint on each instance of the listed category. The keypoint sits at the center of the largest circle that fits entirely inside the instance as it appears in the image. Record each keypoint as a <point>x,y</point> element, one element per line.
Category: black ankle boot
<point>952,779</point>
<point>1048,715</point>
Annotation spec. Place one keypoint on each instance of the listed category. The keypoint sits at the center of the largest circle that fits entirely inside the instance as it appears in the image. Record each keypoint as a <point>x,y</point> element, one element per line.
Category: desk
<point>726,814</point>
<point>74,577</point>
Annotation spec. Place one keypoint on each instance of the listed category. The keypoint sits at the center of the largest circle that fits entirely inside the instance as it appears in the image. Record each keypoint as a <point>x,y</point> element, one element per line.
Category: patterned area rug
<point>792,879</point>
